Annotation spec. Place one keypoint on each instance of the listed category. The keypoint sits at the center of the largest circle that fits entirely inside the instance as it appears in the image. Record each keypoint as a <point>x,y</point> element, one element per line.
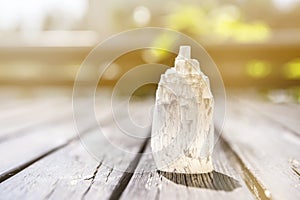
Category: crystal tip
<point>184,52</point>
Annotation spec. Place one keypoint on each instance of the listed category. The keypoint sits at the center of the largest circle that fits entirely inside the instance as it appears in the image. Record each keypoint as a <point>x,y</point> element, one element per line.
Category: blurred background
<point>255,43</point>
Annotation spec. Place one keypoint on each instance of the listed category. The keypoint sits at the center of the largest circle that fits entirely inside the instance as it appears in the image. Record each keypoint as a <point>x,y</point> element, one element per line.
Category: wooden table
<point>41,156</point>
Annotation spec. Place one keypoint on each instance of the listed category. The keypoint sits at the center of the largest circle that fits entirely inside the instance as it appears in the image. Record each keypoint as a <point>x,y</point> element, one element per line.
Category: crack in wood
<point>92,178</point>
<point>12,172</point>
<point>109,173</point>
<point>295,165</point>
<point>51,191</point>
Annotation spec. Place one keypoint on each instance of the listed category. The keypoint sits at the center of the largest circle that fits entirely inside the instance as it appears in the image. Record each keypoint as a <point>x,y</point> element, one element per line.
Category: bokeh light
<point>141,16</point>
<point>292,69</point>
<point>253,43</point>
<point>258,69</point>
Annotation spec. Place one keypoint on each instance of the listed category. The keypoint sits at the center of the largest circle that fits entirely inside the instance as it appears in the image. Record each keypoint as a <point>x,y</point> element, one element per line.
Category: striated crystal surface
<point>182,129</point>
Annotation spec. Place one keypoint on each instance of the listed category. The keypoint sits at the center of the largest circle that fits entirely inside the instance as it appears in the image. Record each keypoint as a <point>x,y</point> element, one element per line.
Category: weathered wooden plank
<point>23,107</point>
<point>266,149</point>
<point>38,125</point>
<point>66,171</point>
<point>32,144</point>
<point>286,114</point>
<point>35,114</point>
<point>6,104</point>
<point>28,146</point>
<point>71,173</point>
<point>224,183</point>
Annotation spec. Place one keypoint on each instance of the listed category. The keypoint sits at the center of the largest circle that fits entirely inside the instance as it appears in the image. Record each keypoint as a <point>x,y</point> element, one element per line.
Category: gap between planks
<point>255,138</point>
<point>117,192</point>
<point>118,187</point>
<point>124,178</point>
<point>251,184</point>
<point>247,174</point>
<point>10,173</point>
<point>60,136</point>
<point>256,188</point>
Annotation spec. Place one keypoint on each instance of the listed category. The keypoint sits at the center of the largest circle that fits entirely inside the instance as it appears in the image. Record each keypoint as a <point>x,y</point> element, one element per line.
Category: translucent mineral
<point>182,130</point>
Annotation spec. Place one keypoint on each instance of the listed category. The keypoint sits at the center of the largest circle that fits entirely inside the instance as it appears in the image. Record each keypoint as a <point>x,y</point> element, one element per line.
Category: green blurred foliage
<point>219,23</point>
<point>216,24</point>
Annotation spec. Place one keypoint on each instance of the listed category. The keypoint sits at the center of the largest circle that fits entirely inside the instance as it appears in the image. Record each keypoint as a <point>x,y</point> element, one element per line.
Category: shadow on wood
<point>213,180</point>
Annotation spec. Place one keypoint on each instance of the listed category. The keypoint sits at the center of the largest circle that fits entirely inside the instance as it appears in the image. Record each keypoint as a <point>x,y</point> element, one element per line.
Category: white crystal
<point>182,129</point>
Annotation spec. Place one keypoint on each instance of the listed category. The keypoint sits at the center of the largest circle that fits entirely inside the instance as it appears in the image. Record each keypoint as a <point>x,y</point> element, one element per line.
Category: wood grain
<point>224,183</point>
<point>266,149</point>
<point>256,157</point>
<point>37,142</point>
<point>69,171</point>
<point>285,114</point>
<point>17,121</point>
